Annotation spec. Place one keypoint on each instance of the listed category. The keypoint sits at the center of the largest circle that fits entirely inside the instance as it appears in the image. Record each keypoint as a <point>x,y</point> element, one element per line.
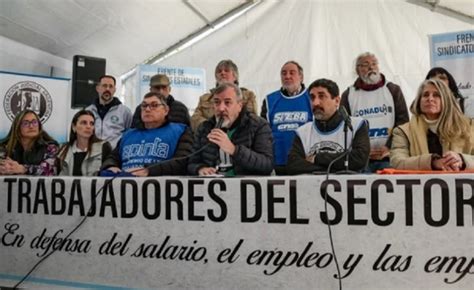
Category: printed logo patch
<point>114,119</point>
<point>28,95</point>
<point>326,147</point>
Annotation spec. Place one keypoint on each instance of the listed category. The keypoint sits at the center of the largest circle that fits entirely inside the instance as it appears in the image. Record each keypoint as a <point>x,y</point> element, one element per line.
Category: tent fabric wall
<point>324,37</point>
<point>122,31</point>
<point>20,58</point>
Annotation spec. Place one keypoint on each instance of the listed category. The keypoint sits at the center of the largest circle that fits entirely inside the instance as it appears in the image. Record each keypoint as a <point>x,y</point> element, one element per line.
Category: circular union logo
<point>28,95</point>
<point>114,119</point>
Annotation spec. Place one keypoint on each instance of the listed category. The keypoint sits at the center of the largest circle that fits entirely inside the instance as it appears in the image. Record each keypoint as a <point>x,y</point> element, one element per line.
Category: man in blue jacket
<point>286,110</point>
<point>157,147</point>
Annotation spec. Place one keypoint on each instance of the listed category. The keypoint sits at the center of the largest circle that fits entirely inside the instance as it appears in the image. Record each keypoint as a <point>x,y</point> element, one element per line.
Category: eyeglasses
<point>26,123</point>
<point>152,106</point>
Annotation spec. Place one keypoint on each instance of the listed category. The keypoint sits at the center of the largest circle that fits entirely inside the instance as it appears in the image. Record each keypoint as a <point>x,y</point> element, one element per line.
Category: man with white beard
<point>380,102</point>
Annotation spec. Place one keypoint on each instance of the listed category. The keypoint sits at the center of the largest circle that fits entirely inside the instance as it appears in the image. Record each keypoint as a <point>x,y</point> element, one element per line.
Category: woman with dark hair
<point>443,75</point>
<point>438,135</point>
<point>82,155</point>
<point>28,149</point>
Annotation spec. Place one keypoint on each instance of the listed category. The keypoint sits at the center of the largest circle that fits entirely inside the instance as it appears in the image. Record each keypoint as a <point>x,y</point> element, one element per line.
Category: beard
<point>106,96</point>
<point>371,78</point>
<point>225,122</point>
<point>318,114</point>
<point>292,89</point>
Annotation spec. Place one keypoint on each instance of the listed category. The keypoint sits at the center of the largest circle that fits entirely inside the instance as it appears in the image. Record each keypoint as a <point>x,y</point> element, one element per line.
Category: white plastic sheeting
<point>21,58</point>
<point>324,37</point>
<point>122,31</point>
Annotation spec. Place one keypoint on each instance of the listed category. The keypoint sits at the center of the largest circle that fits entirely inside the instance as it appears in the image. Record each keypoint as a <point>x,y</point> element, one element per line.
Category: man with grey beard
<point>378,101</point>
<point>234,141</point>
<point>317,144</point>
<point>285,110</point>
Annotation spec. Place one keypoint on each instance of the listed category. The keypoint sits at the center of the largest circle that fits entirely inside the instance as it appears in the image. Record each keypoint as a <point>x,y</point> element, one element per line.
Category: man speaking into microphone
<point>318,143</point>
<point>233,141</point>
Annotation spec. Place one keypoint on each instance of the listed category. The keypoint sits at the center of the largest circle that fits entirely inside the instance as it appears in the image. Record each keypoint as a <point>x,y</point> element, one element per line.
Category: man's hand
<point>220,138</point>
<point>379,153</point>
<point>207,171</point>
<point>310,158</point>
<point>139,172</point>
<point>384,152</point>
<point>114,169</point>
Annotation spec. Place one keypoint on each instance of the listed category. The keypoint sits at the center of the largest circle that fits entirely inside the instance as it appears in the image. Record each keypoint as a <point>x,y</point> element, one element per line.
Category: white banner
<point>48,97</point>
<point>454,51</point>
<point>389,232</point>
<point>187,84</point>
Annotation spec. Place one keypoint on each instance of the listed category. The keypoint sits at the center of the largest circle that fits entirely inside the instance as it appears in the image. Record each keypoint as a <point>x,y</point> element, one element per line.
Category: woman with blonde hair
<point>438,135</point>
<point>448,79</point>
<point>82,155</point>
<point>28,149</point>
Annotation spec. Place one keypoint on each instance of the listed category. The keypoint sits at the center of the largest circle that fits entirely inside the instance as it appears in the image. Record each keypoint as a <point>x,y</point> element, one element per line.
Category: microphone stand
<point>347,151</point>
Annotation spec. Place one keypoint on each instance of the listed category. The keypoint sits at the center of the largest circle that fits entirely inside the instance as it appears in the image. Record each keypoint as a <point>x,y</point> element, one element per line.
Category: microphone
<point>219,123</point>
<point>346,117</point>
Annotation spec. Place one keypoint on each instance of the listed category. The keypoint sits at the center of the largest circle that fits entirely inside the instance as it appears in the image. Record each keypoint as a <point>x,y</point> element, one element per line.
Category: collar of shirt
<point>76,149</point>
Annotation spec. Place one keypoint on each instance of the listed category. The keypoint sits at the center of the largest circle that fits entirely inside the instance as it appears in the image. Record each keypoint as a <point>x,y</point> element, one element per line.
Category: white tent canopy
<point>324,36</point>
<point>124,32</point>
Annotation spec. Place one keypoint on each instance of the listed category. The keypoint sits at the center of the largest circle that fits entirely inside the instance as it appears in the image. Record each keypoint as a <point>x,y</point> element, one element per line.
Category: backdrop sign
<point>187,84</point>
<point>48,97</point>
<point>455,52</point>
<point>390,232</point>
